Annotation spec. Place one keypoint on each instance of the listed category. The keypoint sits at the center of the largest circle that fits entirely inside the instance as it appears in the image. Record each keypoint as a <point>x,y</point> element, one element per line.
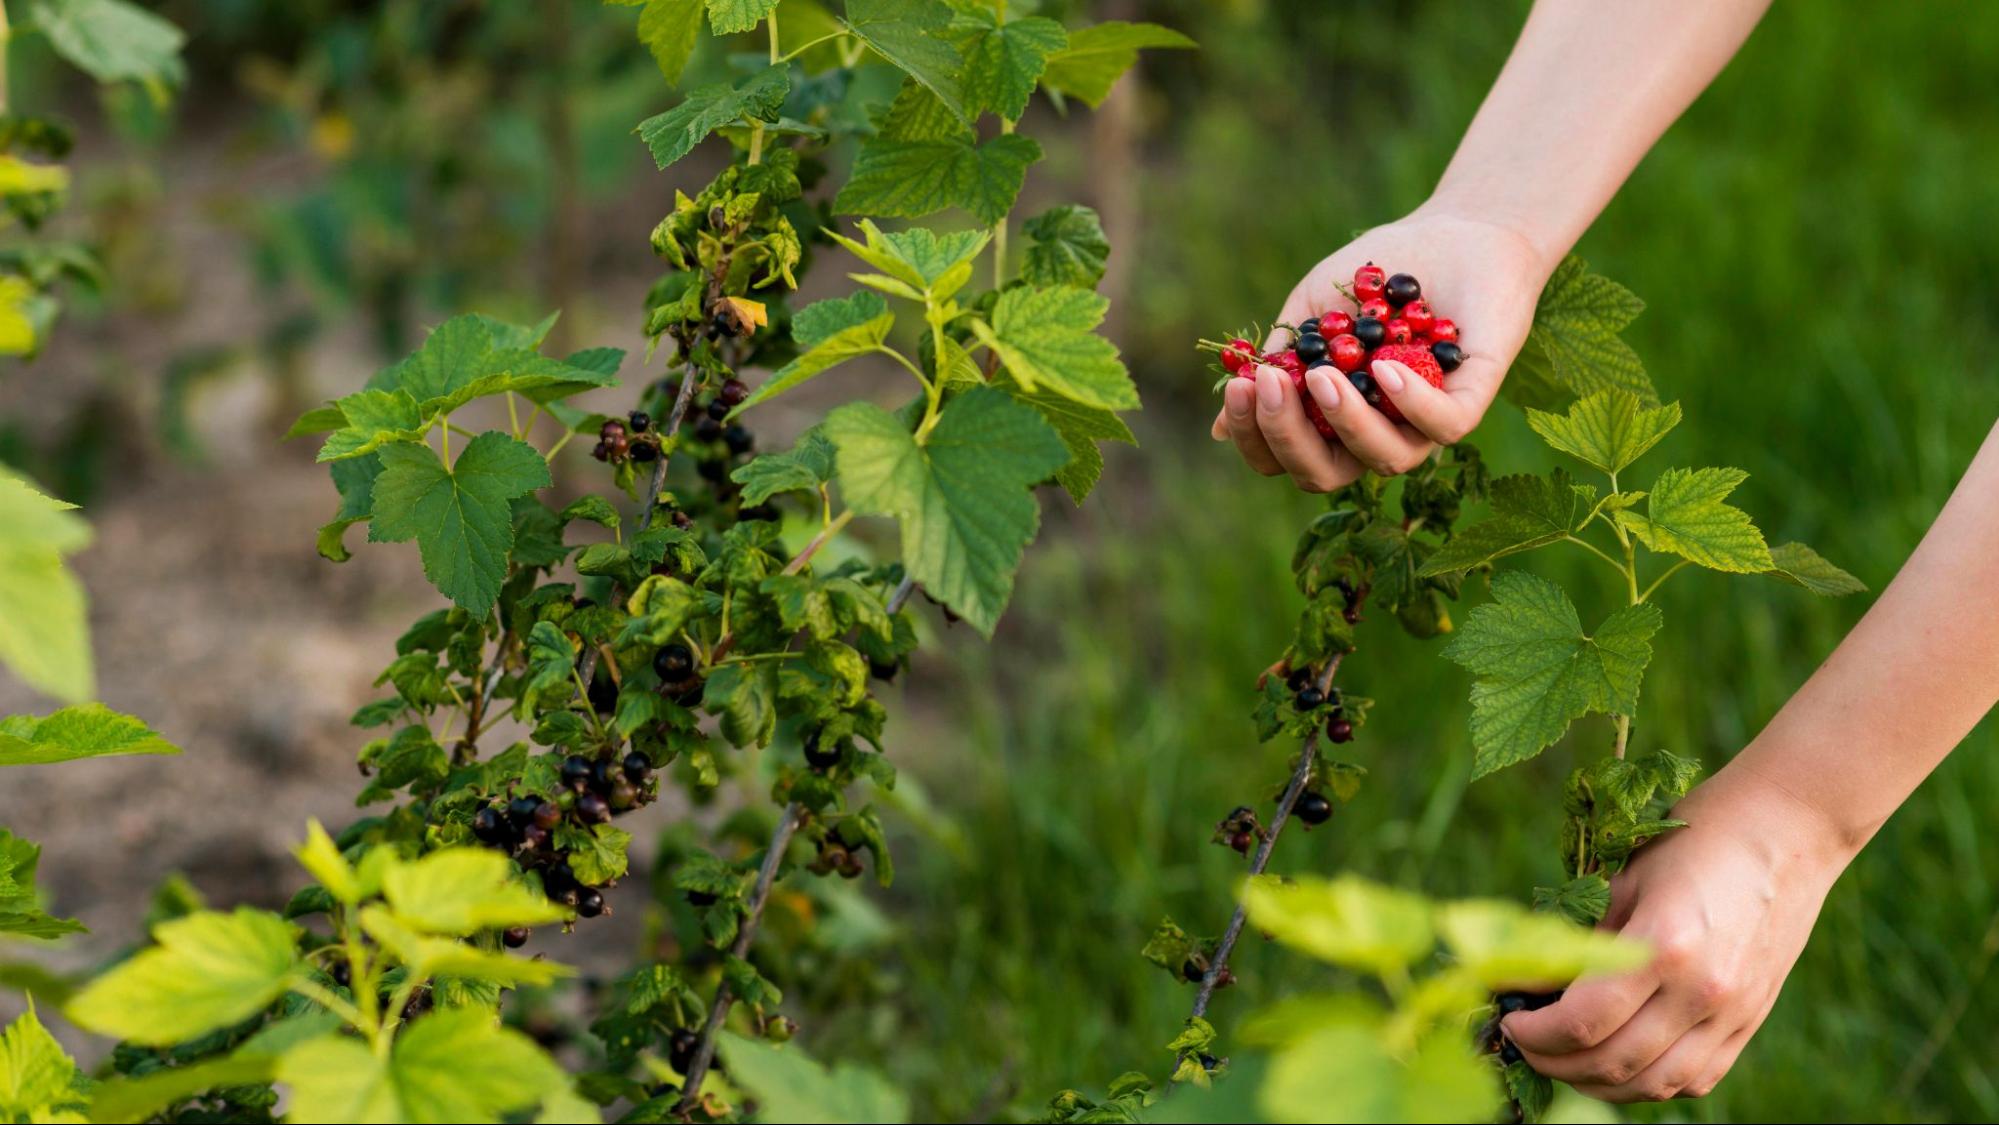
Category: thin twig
<point>780,840</point>
<point>1308,757</point>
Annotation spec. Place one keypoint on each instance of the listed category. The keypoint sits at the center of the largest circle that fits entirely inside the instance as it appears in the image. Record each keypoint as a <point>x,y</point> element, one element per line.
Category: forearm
<point>1587,90</point>
<point>1906,685</point>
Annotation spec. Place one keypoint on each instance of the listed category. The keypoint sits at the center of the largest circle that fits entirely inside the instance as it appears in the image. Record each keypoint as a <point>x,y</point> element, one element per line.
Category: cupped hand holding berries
<point>1482,277</point>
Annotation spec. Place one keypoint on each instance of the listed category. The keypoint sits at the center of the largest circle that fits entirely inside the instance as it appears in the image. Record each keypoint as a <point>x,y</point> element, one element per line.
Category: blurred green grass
<point>1813,243</point>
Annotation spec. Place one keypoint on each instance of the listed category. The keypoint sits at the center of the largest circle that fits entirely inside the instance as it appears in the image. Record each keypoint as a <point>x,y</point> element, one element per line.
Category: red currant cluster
<point>1394,323</point>
<point>630,438</point>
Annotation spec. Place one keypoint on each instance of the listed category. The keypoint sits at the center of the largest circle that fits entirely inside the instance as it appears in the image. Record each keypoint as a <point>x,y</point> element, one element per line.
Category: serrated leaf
<point>962,496</point>
<point>828,334</point>
<point>673,134</point>
<point>1608,430</point>
<point>38,1081</point>
<point>921,260</point>
<point>371,420</point>
<point>451,1066</point>
<point>1529,512</point>
<point>1801,566</point>
<point>804,468</point>
<point>1506,946</point>
<point>1066,246</point>
<point>460,516</point>
<point>790,1086</point>
<point>354,480</point>
<point>1081,428</point>
<point>473,356</point>
<point>909,35</point>
<point>1097,56</point>
<point>1348,921</point>
<point>142,1097</point>
<point>917,114</point>
<point>728,17</point>
<point>669,29</point>
<point>1537,671</point>
<point>598,853</point>
<point>87,730</point>
<point>112,41</point>
<point>459,891</point>
<point>21,913</point>
<point>1574,346</point>
<point>1048,341</point>
<point>44,633</point>
<point>1686,515</point>
<point>208,970</point>
<point>911,179</point>
<point>1583,900</point>
<point>1004,58</point>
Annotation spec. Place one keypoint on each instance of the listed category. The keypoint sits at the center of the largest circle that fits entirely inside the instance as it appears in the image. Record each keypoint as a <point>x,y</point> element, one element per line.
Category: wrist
<point>1538,242</point>
<point>1791,831</point>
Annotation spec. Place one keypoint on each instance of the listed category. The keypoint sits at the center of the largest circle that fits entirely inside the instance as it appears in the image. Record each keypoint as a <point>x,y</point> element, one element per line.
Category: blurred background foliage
<point>1814,243</point>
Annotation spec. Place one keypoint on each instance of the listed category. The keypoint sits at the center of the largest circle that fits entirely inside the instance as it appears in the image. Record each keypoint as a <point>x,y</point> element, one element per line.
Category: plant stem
<point>808,45</point>
<point>6,36</point>
<point>728,639</point>
<point>1661,580</point>
<point>1308,757</point>
<point>770,24</point>
<point>312,990</point>
<point>780,839</point>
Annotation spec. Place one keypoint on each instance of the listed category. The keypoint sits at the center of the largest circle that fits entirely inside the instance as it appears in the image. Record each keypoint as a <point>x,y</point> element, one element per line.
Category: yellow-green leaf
<point>207,970</point>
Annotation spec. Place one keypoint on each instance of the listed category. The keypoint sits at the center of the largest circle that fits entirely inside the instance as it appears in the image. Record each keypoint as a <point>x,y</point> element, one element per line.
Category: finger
<point>1624,1055</point>
<point>1290,434</point>
<point>1673,1072</point>
<point>1239,403</point>
<point>1436,413</point>
<point>1220,430</point>
<point>1323,383</point>
<point>1378,443</point>
<point>1720,1063</point>
<point>1587,1014</point>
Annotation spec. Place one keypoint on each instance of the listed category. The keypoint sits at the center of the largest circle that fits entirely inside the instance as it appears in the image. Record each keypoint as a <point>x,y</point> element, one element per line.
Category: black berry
<point>1448,355</point>
<point>707,428</point>
<point>700,898</point>
<point>342,973</point>
<point>1208,1061</point>
<point>521,810</point>
<point>644,451</point>
<point>593,809</point>
<point>1339,730</point>
<point>602,774</point>
<point>883,670</point>
<point>818,755</point>
<point>680,1050</point>
<point>1313,808</point>
<point>639,421</point>
<point>1364,384</point>
<point>603,695</point>
<point>590,903</point>
<point>637,767</point>
<point>717,409</point>
<point>601,451</point>
<point>576,771</point>
<point>1508,1053</point>
<point>1309,327</point>
<point>1309,698</point>
<point>515,937</point>
<point>712,471</point>
<point>1401,289</point>
<point>673,662</point>
<point>534,837</point>
<point>725,325</point>
<point>487,826</point>
<point>1311,348</point>
<point>1299,679</point>
<point>1370,332</point>
<point>733,392</point>
<point>1193,970</point>
<point>623,795</point>
<point>547,814</point>
<point>738,439</point>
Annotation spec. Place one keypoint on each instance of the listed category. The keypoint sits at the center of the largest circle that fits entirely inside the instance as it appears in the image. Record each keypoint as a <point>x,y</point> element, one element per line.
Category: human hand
<point>1482,275</point>
<point>1726,904</point>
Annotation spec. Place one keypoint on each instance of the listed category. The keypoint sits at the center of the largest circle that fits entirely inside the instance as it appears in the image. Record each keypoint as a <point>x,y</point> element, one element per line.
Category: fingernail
<point>1238,398</point>
<point>1325,391</point>
<point>1389,375</point>
<point>1269,392</point>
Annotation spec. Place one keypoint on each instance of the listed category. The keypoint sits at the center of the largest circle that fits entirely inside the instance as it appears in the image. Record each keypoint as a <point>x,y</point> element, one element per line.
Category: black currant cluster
<point>633,438</point>
<point>1239,830</point>
<point>1308,698</point>
<point>1195,970</point>
<point>717,445</point>
<point>836,856</point>
<point>1492,1038</point>
<point>525,826</point>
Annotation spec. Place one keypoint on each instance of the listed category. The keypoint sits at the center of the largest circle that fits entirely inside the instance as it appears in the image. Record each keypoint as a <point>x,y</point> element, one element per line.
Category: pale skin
<point>1727,903</point>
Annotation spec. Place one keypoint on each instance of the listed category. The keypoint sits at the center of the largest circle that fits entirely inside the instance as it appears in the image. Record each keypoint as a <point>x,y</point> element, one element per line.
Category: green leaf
<point>112,41</point>
<point>1685,515</point>
<point>1529,512</point>
<point>143,1097</point>
<point>459,891</point>
<point>459,516</point>
<point>807,466</point>
<point>87,730</point>
<point>209,970</point>
<point>1097,56</point>
<point>1801,566</point>
<point>1066,246</point>
<point>1583,900</point>
<point>1608,430</point>
<point>44,633</point>
<point>911,179</point>
<point>728,17</point>
<point>916,114</point>
<point>38,1081</point>
<point>451,1066</point>
<point>923,261</point>
<point>1003,58</point>
<point>1537,671</point>
<point>371,420</point>
<point>1081,428</point>
<point>669,29</point>
<point>21,913</point>
<point>597,854</point>
<point>593,508</point>
<point>1048,341</point>
<point>908,34</point>
<point>673,134</point>
<point>1574,346</point>
<point>1346,1064</point>
<point>473,356</point>
<point>828,333</point>
<point>790,1086</point>
<point>1347,921</point>
<point>354,479</point>
<point>1507,946</point>
<point>962,496</point>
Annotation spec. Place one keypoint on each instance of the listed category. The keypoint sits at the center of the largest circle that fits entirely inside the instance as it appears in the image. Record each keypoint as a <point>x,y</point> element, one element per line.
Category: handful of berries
<point>1393,322</point>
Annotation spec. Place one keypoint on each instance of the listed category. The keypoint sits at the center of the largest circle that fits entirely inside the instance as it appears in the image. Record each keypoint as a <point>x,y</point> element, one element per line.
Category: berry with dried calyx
<point>1313,808</point>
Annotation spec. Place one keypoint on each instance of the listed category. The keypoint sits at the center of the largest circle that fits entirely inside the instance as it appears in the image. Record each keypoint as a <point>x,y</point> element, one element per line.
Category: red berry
<point>1334,323</point>
<point>1376,308</point>
<point>1346,351</point>
<point>1368,281</point>
<point>1444,330</point>
<point>1287,361</point>
<point>1239,354</point>
<point>1419,316</point>
<point>1399,331</point>
<point>1317,416</point>
<point>1415,359</point>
